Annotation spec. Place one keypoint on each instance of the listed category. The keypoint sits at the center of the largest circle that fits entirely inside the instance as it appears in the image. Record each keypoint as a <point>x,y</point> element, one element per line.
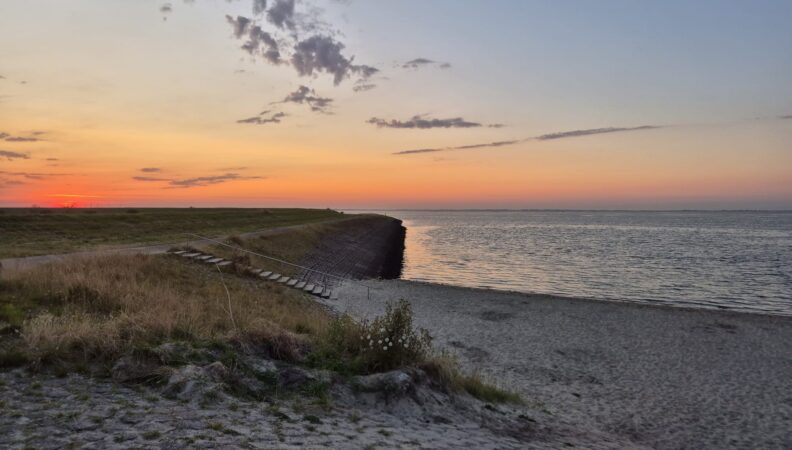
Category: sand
<point>666,378</point>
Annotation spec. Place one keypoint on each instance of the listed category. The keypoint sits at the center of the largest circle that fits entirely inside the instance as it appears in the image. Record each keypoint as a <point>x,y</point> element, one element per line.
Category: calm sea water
<point>727,260</point>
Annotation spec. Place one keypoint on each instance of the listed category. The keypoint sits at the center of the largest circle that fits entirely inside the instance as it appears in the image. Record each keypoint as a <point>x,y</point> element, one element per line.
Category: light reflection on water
<point>734,260</point>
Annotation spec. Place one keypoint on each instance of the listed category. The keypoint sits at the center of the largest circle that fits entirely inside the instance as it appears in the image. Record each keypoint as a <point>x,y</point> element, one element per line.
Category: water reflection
<point>735,260</point>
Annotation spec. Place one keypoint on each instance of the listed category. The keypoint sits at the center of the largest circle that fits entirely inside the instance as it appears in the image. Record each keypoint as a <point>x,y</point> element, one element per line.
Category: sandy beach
<point>661,377</point>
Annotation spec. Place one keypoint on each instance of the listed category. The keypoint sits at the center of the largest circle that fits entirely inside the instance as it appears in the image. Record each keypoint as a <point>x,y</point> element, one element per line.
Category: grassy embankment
<point>84,314</point>
<point>41,231</point>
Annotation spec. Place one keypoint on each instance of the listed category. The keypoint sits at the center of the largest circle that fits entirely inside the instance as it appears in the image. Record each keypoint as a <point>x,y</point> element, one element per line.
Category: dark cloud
<point>53,159</point>
<point>306,95</point>
<point>259,6</point>
<point>240,25</point>
<point>150,179</point>
<point>261,119</point>
<point>5,183</point>
<point>21,139</point>
<point>208,181</point>
<point>9,155</point>
<point>259,42</point>
<point>418,63</point>
<point>421,123</point>
<point>31,175</point>
<point>576,133</point>
<point>544,137</point>
<point>151,169</point>
<point>281,14</point>
<point>166,8</point>
<point>9,138</point>
<point>362,87</point>
<point>323,54</point>
<point>785,117</point>
<point>461,147</point>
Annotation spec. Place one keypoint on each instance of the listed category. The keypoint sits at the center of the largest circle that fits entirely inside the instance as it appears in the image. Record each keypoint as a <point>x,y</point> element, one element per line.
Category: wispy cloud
<point>210,180</point>
<point>139,178</point>
<point>306,95</point>
<point>785,117</point>
<point>262,118</point>
<point>543,137</point>
<point>31,175</point>
<point>173,183</point>
<point>460,147</point>
<point>577,133</point>
<point>9,155</point>
<point>151,170</point>
<point>362,87</point>
<point>418,63</point>
<point>10,138</point>
<point>421,123</point>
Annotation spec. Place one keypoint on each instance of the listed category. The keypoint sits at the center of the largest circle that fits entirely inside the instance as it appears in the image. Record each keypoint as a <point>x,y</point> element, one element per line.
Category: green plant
<point>386,343</point>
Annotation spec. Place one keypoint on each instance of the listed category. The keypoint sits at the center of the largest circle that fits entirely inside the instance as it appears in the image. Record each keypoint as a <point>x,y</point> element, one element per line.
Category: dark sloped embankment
<point>369,246</point>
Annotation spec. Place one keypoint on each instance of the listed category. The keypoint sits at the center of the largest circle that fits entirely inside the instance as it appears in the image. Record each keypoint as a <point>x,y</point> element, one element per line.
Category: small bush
<point>386,343</point>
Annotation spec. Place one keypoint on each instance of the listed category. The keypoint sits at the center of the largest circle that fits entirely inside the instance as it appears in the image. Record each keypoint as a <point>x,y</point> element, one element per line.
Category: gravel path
<point>668,378</point>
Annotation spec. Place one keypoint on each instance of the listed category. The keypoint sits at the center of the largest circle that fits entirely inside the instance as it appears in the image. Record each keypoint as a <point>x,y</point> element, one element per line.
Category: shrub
<point>386,343</point>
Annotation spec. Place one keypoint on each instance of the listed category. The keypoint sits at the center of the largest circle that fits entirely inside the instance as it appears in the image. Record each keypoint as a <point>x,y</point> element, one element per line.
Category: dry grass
<point>97,308</point>
<point>444,369</point>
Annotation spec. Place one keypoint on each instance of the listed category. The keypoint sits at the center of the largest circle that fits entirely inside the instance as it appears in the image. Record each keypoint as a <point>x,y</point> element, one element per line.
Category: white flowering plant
<point>385,343</point>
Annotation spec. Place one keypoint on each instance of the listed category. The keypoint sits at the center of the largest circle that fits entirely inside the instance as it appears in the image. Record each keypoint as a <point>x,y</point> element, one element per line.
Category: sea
<point>731,260</point>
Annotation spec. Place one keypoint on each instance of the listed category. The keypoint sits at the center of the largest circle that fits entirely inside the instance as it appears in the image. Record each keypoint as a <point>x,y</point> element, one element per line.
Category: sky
<point>396,104</point>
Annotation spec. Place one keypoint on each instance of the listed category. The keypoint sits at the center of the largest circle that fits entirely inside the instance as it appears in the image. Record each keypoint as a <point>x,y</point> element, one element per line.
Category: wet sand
<point>666,378</point>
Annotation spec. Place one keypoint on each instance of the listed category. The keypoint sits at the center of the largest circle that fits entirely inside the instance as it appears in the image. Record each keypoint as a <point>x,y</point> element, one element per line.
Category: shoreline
<point>660,376</point>
<point>648,303</point>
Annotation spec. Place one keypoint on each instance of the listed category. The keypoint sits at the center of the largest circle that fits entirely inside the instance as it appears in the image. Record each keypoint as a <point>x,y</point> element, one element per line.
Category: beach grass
<point>43,231</point>
<point>94,309</point>
<point>84,313</point>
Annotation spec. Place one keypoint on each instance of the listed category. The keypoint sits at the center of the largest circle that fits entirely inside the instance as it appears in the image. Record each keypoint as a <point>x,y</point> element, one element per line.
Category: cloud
<point>362,87</point>
<point>210,180</point>
<point>240,25</point>
<point>9,138</point>
<point>150,179</point>
<point>323,54</point>
<point>576,133</point>
<point>167,8</point>
<point>418,63</point>
<point>53,159</point>
<point>544,137</point>
<point>421,123</point>
<point>13,155</point>
<point>259,42</point>
<point>785,117</point>
<point>259,6</point>
<point>151,169</point>
<point>5,183</point>
<point>306,95</point>
<point>31,175</point>
<point>261,120</point>
<point>281,14</point>
<point>461,147</point>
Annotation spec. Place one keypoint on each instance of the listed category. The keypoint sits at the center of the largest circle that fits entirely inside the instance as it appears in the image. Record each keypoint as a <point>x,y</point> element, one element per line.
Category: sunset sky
<point>389,104</point>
